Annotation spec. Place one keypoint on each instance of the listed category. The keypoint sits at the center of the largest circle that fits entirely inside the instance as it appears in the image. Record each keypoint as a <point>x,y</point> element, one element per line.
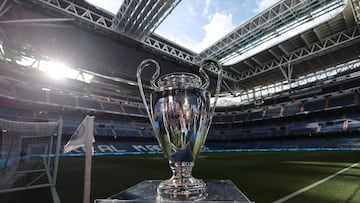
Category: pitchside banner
<point>123,147</point>
<point>128,147</point>
<point>113,147</point>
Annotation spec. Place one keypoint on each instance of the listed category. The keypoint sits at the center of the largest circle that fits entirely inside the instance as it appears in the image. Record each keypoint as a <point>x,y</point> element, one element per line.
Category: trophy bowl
<point>180,115</point>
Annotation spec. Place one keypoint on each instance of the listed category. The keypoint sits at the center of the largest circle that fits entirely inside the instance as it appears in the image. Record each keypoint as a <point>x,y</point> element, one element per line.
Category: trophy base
<point>188,188</point>
<point>146,192</point>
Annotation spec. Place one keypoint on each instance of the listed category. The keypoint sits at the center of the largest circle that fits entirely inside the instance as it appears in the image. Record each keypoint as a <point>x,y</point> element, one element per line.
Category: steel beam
<point>79,12</point>
<point>138,18</point>
<point>317,49</point>
<point>261,28</point>
<point>355,4</point>
<point>105,23</point>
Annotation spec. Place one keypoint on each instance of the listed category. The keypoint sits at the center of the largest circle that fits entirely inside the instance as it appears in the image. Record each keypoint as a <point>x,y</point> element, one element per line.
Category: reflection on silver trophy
<point>180,115</point>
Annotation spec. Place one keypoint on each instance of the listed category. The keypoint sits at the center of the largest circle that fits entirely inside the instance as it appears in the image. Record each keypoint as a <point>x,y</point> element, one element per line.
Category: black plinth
<point>218,191</point>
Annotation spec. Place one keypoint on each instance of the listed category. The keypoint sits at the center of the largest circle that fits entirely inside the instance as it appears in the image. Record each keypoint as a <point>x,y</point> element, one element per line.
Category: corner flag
<point>84,136</point>
<point>81,135</point>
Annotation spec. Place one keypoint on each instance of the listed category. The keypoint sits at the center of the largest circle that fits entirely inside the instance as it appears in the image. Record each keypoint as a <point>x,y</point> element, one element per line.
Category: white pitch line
<point>313,185</point>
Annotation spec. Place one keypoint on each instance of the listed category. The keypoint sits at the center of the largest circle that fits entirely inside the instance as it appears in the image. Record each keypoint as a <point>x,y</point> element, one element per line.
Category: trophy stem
<point>181,170</point>
<point>182,185</point>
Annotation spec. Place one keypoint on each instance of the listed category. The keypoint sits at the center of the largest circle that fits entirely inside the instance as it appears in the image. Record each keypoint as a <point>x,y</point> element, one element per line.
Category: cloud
<point>206,8</point>
<point>182,40</point>
<point>219,25</point>
<point>261,5</point>
<point>191,11</point>
<point>109,5</point>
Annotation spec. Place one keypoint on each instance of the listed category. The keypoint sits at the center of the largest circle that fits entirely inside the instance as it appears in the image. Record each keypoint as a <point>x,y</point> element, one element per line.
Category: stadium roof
<point>284,42</point>
<point>197,25</point>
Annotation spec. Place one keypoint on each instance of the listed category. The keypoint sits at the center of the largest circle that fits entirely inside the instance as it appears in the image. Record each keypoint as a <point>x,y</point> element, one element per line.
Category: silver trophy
<point>180,115</point>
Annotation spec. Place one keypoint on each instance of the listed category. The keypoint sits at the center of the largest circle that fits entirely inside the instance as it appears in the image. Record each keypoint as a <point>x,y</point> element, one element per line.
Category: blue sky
<point>196,24</point>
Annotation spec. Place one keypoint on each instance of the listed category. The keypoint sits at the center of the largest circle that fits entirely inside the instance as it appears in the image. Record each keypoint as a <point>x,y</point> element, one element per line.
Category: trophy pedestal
<point>145,191</point>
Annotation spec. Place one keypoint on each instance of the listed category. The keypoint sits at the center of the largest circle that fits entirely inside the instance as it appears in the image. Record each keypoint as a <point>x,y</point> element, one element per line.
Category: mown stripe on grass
<point>283,199</point>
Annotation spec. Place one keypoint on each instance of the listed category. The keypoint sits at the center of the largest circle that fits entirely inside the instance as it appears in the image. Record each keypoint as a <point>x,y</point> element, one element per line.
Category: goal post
<point>29,155</point>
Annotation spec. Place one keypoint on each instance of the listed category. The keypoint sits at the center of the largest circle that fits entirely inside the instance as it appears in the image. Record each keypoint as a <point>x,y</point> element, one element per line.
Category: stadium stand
<point>306,115</point>
<point>292,123</point>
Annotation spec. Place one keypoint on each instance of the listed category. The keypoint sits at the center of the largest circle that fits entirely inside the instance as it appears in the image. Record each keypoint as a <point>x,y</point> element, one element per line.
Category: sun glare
<point>59,71</point>
<point>84,77</point>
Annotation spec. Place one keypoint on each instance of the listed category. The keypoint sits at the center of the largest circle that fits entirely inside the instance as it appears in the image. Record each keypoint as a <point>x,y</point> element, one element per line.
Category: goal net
<point>29,155</point>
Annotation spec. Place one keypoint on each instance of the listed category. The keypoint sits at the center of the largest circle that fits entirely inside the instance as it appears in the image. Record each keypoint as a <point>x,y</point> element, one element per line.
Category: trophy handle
<point>141,67</point>
<point>207,80</point>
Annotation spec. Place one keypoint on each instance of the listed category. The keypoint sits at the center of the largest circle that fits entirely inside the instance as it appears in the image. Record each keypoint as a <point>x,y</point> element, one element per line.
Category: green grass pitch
<point>262,176</point>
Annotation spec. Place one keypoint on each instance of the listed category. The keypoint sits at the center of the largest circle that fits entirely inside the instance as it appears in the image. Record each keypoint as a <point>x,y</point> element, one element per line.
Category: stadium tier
<point>276,123</point>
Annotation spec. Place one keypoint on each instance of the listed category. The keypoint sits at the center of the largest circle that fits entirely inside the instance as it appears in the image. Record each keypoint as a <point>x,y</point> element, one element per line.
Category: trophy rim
<point>163,82</point>
<point>181,88</point>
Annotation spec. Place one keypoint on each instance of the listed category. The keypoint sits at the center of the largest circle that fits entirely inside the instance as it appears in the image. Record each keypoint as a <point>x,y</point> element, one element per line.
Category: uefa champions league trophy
<point>180,115</point>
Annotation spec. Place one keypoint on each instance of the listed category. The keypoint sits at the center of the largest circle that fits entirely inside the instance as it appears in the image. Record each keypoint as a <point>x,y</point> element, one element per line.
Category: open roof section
<point>211,28</point>
<point>111,6</point>
<point>194,25</point>
<point>198,24</point>
<point>266,25</point>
